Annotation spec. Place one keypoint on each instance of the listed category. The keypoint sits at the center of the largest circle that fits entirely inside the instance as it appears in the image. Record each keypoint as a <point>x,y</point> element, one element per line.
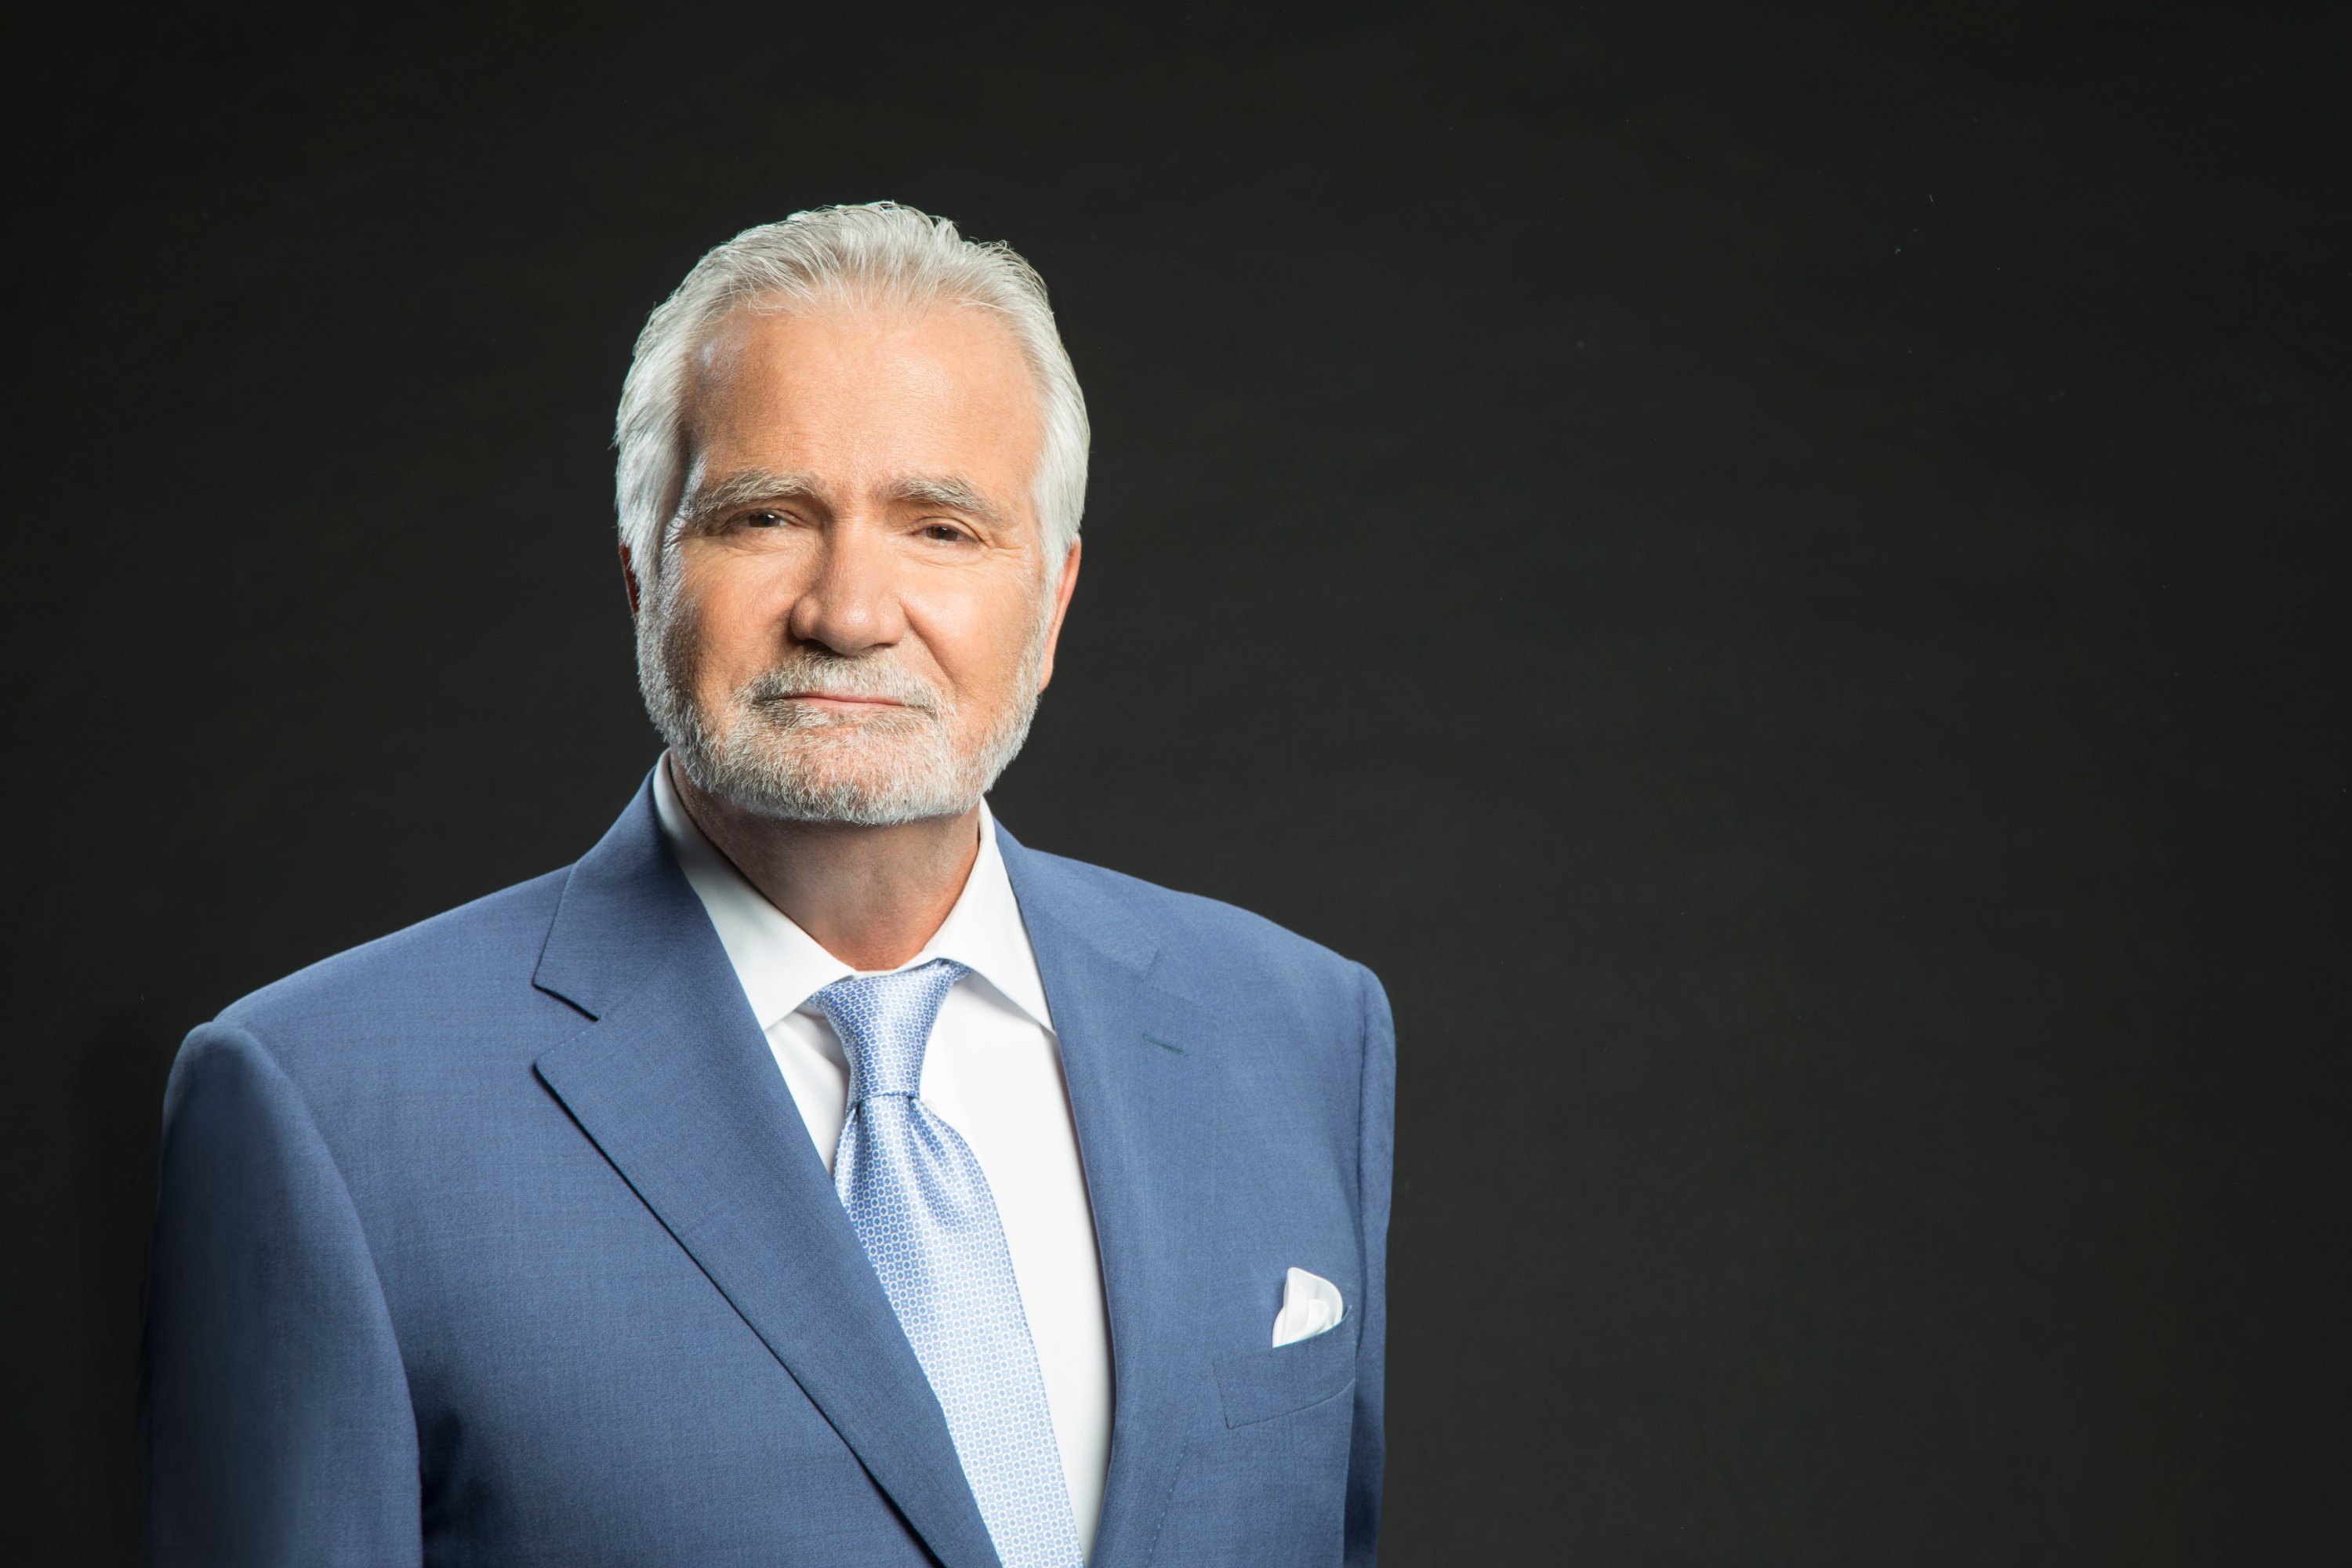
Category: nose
<point>850,604</point>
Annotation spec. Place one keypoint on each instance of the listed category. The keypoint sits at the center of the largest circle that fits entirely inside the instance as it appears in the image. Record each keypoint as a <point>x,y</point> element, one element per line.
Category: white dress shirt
<point>992,1072</point>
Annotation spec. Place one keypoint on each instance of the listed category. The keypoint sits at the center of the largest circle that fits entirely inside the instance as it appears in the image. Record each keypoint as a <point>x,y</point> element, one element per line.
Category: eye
<point>944,533</point>
<point>762,519</point>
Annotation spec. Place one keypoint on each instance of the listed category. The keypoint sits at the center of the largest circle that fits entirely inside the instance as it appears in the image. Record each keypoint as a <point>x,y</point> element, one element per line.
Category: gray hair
<point>877,253</point>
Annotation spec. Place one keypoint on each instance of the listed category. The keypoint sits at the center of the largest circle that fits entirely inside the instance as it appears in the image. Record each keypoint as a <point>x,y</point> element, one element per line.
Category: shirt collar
<point>781,966</point>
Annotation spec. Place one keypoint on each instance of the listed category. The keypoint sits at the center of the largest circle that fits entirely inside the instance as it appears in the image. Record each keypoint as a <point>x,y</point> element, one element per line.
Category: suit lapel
<point>674,1084</point>
<point>1139,1062</point>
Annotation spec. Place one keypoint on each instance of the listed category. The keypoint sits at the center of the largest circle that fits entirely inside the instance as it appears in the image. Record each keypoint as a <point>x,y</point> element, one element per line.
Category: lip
<point>836,700</point>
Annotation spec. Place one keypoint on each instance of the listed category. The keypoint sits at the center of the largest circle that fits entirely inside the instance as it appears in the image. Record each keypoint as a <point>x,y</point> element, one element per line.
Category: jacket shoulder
<point>477,950</point>
<point>1204,942</point>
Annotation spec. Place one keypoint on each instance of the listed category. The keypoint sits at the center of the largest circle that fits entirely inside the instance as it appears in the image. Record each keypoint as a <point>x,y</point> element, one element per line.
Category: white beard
<point>785,761</point>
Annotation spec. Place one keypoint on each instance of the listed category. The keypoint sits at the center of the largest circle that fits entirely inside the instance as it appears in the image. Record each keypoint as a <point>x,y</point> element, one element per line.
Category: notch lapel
<point>1140,1065</point>
<point>674,1082</point>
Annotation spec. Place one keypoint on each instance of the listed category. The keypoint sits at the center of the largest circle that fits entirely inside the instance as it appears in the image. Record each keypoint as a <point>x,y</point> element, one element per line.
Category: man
<point>811,1173</point>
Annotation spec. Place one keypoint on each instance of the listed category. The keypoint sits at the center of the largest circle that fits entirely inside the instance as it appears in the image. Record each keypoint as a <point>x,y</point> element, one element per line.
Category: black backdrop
<point>1773,572</point>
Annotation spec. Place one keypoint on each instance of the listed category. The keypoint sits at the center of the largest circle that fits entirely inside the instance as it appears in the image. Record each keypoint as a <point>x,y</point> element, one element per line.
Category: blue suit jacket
<point>500,1241</point>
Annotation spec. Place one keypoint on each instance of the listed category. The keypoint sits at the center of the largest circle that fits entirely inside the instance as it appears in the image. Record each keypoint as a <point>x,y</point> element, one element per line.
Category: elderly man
<point>811,1173</point>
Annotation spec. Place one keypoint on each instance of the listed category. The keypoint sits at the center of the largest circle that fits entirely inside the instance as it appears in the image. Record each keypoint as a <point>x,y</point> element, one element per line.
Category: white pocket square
<point>1310,1306</point>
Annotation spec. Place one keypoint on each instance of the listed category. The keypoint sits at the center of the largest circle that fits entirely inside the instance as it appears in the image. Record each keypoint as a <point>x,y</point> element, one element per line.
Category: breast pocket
<point>1260,1384</point>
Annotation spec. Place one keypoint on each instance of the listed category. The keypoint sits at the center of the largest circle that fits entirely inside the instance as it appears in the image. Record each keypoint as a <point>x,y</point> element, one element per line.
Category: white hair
<point>877,253</point>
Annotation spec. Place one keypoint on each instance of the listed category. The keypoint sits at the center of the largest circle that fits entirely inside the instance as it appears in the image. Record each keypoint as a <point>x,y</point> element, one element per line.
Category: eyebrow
<point>709,504</point>
<point>949,491</point>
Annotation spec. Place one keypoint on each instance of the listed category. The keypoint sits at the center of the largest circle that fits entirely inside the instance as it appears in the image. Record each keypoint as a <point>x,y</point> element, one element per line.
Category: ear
<point>1062,592</point>
<point>629,580</point>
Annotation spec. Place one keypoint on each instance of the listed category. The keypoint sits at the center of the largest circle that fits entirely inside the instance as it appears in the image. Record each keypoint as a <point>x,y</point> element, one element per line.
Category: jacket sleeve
<point>1375,1157</point>
<point>274,1410</point>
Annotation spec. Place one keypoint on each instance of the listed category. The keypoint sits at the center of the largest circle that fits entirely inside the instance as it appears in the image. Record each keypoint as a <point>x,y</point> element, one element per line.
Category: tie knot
<point>885,1022</point>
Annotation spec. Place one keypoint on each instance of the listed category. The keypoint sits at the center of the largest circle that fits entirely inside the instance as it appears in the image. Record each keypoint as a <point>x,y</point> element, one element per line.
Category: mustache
<point>870,677</point>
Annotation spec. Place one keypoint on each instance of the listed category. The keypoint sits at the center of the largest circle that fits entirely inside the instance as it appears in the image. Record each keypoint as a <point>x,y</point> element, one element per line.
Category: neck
<point>870,896</point>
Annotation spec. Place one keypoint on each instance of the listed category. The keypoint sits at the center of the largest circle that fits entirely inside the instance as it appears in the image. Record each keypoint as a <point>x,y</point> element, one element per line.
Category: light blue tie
<point>921,1206</point>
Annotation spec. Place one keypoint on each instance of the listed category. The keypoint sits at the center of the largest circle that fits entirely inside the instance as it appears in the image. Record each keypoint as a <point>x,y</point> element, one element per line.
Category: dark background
<point>1774,573</point>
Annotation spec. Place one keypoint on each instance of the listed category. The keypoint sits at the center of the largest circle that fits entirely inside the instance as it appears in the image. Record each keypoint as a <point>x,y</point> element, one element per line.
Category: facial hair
<point>790,762</point>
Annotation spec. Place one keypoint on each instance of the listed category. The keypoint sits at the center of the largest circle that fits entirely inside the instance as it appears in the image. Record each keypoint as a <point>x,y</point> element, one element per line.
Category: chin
<point>840,780</point>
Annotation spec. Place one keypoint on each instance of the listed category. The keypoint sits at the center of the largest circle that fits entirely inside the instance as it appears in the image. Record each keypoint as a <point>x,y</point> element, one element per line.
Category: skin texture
<point>866,417</point>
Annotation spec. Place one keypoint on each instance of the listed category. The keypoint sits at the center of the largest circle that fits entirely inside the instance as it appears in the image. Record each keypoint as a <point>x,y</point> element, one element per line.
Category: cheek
<point>979,641</point>
<point>731,622</point>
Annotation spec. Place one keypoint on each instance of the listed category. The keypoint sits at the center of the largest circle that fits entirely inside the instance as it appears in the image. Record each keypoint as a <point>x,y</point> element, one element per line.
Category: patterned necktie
<point>921,1206</point>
